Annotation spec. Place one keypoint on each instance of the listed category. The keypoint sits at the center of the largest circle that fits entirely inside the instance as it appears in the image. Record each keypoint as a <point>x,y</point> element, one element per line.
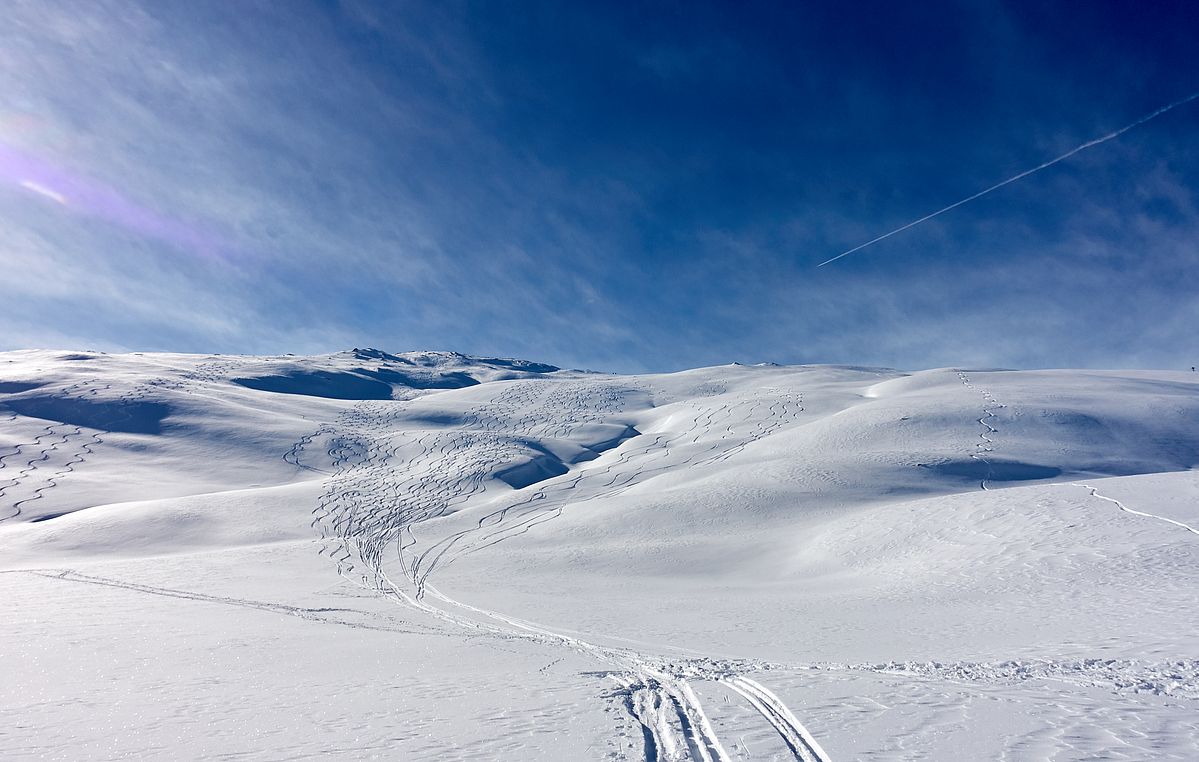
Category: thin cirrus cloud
<point>597,186</point>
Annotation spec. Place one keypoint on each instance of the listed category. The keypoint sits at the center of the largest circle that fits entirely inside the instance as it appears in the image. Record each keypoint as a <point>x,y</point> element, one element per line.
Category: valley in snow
<point>430,556</point>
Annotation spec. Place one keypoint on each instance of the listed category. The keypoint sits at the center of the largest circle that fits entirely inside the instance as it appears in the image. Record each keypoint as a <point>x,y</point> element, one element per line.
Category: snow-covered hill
<point>434,556</point>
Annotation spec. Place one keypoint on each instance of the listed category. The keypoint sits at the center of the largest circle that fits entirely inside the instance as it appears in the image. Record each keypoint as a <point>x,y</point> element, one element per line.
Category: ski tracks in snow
<point>712,436</point>
<point>344,617</point>
<point>672,720</point>
<point>58,448</point>
<point>387,483</point>
<point>1095,494</point>
<point>46,443</point>
<point>985,446</point>
<point>798,739</point>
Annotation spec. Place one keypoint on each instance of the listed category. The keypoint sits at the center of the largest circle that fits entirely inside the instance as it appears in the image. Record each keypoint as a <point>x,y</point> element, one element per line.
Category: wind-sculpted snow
<point>124,415</point>
<point>725,563</point>
<point>386,375</point>
<point>13,387</point>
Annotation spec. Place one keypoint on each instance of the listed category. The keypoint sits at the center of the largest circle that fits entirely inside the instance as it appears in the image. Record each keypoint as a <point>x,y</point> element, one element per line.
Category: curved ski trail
<point>798,739</point>
<point>1095,493</point>
<point>986,446</point>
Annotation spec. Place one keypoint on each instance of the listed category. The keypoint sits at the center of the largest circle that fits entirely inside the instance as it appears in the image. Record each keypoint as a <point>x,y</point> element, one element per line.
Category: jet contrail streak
<point>1023,174</point>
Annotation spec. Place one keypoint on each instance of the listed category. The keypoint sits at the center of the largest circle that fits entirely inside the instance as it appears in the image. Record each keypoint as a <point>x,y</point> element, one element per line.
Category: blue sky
<point>625,187</point>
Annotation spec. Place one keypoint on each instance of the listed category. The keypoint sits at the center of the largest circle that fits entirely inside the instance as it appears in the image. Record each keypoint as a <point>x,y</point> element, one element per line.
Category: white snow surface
<point>431,556</point>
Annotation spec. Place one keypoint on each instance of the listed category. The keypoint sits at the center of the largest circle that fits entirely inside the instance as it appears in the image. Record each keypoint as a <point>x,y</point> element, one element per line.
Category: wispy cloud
<point>586,185</point>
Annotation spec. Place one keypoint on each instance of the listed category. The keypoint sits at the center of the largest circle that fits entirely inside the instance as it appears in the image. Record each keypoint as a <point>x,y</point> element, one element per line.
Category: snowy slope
<point>433,556</point>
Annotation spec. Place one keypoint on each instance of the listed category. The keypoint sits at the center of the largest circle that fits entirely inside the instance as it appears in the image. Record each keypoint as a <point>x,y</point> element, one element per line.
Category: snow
<point>432,556</point>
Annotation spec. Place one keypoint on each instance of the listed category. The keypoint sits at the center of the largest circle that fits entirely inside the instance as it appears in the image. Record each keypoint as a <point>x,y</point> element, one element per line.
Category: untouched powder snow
<point>433,556</point>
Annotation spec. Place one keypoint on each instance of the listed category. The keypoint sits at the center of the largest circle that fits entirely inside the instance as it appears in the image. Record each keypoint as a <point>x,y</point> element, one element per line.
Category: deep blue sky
<point>622,186</point>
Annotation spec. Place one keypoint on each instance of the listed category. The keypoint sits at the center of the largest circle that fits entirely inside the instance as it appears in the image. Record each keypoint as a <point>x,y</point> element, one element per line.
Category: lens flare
<point>42,190</point>
<point>84,196</point>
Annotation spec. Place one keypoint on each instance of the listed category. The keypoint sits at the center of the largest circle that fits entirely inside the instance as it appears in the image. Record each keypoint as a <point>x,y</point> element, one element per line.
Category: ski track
<point>630,469</point>
<point>64,439</point>
<point>798,739</point>
<point>386,484</point>
<point>77,443</point>
<point>324,615</point>
<point>986,446</point>
<point>1095,493</point>
<point>983,448</point>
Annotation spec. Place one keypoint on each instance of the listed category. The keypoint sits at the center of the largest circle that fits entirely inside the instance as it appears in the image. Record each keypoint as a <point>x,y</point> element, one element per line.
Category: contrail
<point>1025,173</point>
